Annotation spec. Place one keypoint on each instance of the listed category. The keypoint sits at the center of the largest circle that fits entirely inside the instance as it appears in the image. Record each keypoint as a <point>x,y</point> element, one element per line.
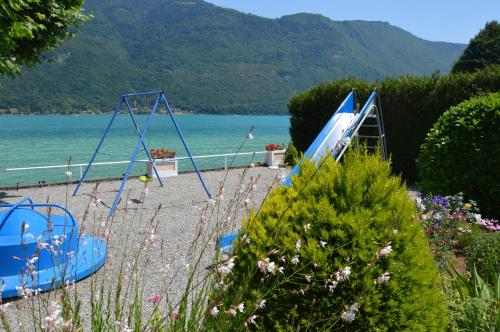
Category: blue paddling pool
<point>40,252</point>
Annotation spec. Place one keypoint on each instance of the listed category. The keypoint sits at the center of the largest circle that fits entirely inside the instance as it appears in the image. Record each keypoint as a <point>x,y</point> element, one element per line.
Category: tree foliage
<point>482,51</point>
<point>29,28</point>
<point>460,153</point>
<point>213,60</point>
<point>340,250</point>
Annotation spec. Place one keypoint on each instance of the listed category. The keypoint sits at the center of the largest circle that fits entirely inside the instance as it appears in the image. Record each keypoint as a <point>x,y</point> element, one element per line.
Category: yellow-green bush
<point>342,243</point>
<point>292,155</point>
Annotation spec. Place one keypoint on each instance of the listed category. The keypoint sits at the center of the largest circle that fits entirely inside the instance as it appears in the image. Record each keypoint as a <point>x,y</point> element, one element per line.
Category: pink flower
<point>155,299</point>
<point>262,266</point>
<point>174,314</point>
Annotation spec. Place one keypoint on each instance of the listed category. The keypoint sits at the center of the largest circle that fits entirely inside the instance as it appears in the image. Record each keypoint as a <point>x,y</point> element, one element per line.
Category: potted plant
<point>165,163</point>
<point>275,155</point>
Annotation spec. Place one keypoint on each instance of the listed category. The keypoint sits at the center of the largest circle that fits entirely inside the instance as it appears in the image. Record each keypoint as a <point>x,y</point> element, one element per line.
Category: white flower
<point>241,307</point>
<point>395,231</point>
<point>384,251</point>
<point>271,267</point>
<point>53,319</point>
<point>295,260</point>
<point>214,311</point>
<point>283,259</point>
<point>306,227</point>
<point>331,285</point>
<point>251,320</point>
<point>261,304</point>
<point>322,244</point>
<point>32,261</point>
<point>308,278</point>
<point>478,217</point>
<point>281,269</point>
<point>421,206</point>
<point>343,274</point>
<point>298,245</point>
<point>68,174</point>
<point>348,316</point>
<point>226,267</point>
<point>383,278</point>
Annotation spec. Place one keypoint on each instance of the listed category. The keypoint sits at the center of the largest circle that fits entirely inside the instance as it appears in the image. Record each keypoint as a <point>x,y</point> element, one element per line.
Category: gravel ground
<point>163,269</point>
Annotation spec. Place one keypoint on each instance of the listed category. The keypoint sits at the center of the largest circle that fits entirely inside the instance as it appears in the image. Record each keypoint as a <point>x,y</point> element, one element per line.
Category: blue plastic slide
<point>329,140</point>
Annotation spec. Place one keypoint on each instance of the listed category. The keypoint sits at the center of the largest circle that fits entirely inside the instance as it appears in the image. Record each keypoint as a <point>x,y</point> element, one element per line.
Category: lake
<point>27,141</point>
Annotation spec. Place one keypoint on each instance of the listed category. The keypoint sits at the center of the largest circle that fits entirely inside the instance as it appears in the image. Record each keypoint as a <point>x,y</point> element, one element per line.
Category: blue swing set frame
<point>160,99</point>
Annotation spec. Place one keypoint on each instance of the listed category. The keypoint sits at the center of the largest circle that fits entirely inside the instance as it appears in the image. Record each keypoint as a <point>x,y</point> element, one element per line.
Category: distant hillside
<point>214,60</point>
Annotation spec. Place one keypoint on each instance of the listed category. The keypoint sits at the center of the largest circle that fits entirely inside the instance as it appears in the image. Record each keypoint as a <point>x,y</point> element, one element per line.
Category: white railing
<point>104,163</point>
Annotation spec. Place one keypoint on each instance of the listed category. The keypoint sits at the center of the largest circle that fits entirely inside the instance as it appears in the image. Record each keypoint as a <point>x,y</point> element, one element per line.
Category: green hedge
<point>460,153</point>
<point>411,105</point>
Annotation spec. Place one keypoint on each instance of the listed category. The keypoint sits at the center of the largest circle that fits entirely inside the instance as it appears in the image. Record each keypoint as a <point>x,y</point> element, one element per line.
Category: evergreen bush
<point>484,253</point>
<point>292,155</point>
<point>339,250</point>
<point>460,153</point>
<point>411,105</point>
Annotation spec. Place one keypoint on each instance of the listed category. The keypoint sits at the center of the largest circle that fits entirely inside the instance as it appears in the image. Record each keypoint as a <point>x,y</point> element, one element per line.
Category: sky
<point>437,20</point>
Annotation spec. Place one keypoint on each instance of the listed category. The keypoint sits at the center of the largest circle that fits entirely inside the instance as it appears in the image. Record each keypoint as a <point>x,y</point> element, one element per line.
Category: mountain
<point>213,60</point>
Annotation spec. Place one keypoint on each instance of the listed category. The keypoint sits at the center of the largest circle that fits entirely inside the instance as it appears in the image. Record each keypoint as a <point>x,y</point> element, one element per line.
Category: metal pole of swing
<point>136,126</point>
<point>134,156</point>
<point>185,144</point>
<point>82,178</point>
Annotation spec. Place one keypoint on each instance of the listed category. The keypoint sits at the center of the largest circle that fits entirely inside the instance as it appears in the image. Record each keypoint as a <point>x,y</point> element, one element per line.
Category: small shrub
<point>484,253</point>
<point>471,314</point>
<point>339,250</point>
<point>460,153</point>
<point>473,304</point>
<point>292,155</point>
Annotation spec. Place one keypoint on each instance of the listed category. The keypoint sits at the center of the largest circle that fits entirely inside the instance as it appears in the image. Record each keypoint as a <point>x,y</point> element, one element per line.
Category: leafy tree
<point>29,28</point>
<point>483,50</point>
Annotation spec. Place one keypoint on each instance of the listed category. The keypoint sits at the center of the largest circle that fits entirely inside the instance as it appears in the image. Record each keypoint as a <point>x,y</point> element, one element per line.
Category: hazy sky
<point>438,20</point>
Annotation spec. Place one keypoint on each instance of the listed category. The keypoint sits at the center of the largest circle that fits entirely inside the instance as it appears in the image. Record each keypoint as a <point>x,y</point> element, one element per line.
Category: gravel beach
<point>178,207</point>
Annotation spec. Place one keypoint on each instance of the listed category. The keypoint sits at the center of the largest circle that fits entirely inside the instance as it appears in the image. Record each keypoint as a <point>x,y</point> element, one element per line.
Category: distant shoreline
<point>123,113</point>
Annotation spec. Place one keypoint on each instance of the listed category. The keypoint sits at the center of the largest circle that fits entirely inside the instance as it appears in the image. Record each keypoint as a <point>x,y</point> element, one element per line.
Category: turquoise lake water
<point>27,141</point>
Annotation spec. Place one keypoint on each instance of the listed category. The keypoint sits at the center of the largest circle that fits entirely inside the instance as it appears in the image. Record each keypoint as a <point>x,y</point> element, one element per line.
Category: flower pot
<point>165,167</point>
<point>275,158</point>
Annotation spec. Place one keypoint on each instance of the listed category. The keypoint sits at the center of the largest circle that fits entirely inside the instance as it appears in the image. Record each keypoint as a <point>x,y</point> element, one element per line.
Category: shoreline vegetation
<point>176,112</point>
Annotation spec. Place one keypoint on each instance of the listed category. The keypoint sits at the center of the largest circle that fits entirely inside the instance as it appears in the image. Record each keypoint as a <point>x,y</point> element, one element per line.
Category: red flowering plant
<point>274,147</point>
<point>161,153</point>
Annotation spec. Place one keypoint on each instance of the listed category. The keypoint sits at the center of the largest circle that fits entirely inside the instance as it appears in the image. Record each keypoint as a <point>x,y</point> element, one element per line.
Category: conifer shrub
<point>338,250</point>
<point>460,153</point>
<point>292,155</point>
